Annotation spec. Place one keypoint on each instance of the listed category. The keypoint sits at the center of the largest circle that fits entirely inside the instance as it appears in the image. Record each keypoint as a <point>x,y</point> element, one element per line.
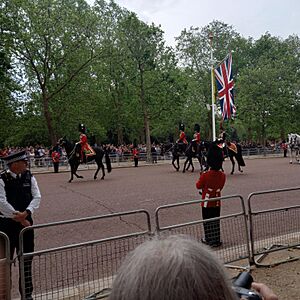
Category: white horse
<point>294,147</point>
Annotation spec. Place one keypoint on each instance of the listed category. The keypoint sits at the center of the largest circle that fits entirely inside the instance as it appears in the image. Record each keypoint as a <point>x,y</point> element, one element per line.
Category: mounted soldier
<point>86,149</point>
<point>182,142</point>
<point>196,139</point>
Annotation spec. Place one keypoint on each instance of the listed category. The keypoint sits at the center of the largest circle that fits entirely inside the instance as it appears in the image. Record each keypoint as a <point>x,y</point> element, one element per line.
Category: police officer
<point>19,198</point>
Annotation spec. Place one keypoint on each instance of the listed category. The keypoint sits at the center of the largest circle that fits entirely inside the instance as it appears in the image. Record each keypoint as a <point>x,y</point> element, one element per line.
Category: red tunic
<point>55,156</point>
<point>135,152</point>
<point>211,183</point>
<point>85,147</point>
<point>197,137</point>
<point>182,137</point>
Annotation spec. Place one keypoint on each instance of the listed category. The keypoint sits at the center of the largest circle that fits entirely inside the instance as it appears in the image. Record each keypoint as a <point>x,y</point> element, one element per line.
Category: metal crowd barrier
<point>85,266</point>
<point>46,162</point>
<point>273,230</point>
<point>4,267</point>
<point>234,229</point>
<point>77,270</point>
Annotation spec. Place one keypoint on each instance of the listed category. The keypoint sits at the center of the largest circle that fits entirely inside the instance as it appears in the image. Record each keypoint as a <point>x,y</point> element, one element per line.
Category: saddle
<point>232,147</point>
<point>181,147</point>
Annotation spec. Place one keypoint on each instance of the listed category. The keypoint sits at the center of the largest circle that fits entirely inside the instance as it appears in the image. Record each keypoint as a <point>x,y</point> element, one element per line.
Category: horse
<point>182,150</point>
<point>234,152</point>
<point>177,151</point>
<point>74,155</point>
<point>200,152</point>
<point>294,147</point>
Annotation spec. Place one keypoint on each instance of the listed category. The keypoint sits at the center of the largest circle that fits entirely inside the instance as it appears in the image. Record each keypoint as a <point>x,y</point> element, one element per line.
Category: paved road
<point>148,187</point>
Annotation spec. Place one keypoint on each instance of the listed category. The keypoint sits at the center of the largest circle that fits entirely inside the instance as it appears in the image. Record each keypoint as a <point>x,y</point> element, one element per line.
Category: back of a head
<point>171,269</point>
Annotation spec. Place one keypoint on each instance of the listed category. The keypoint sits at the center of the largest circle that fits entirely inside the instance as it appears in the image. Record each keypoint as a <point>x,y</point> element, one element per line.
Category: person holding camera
<point>175,268</point>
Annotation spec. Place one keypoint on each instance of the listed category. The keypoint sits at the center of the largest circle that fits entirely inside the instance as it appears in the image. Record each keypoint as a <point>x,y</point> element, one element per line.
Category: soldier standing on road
<point>55,155</point>
<point>19,198</point>
<point>135,154</point>
<point>211,183</point>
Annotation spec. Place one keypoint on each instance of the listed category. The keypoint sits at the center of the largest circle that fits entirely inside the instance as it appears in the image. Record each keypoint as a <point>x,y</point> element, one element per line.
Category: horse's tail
<point>107,161</point>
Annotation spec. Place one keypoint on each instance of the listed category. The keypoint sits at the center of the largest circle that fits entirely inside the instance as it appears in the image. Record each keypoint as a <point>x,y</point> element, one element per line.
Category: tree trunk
<point>148,139</point>
<point>120,134</point>
<point>146,115</point>
<point>249,133</point>
<point>48,119</point>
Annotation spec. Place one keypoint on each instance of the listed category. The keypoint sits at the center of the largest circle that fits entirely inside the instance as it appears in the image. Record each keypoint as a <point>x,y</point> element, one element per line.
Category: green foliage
<point>63,62</point>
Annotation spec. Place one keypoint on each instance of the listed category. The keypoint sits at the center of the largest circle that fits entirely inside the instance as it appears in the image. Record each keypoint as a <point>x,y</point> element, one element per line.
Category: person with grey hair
<point>175,268</point>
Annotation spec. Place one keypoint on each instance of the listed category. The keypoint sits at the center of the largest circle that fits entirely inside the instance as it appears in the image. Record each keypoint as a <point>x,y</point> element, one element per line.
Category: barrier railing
<point>78,270</point>
<point>234,229</point>
<point>46,162</point>
<point>81,268</point>
<point>276,229</point>
<point>4,267</point>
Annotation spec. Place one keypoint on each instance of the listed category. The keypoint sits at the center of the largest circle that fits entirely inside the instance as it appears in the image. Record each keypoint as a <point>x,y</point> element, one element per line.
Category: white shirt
<point>7,210</point>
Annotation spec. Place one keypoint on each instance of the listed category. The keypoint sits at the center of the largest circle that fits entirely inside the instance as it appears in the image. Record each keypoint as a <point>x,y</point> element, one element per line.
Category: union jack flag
<point>225,84</point>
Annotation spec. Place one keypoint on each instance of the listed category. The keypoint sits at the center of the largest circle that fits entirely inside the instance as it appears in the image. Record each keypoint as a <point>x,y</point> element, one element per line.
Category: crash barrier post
<point>276,229</point>
<point>4,267</point>
<point>234,228</point>
<point>77,270</point>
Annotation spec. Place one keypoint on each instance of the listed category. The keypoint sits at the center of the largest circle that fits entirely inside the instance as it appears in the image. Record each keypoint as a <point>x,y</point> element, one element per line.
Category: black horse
<point>74,156</point>
<point>196,151</point>
<point>234,152</point>
<point>182,150</point>
<point>176,152</point>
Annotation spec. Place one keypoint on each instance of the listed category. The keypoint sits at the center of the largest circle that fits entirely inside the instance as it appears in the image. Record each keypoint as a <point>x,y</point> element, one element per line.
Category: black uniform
<point>18,194</point>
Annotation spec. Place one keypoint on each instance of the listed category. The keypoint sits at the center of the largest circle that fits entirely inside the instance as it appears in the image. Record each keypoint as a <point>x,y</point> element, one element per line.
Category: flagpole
<point>212,88</point>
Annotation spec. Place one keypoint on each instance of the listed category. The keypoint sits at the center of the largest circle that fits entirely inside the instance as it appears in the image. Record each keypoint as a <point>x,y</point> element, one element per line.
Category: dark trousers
<point>56,166</point>
<point>136,161</point>
<point>12,230</point>
<point>211,228</point>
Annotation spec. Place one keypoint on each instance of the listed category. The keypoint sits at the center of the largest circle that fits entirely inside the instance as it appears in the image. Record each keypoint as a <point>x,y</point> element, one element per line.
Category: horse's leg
<point>291,155</point>
<point>184,165</point>
<point>240,168</point>
<point>72,177</point>
<point>98,168</point>
<point>75,171</point>
<point>200,162</point>
<point>191,163</point>
<point>233,164</point>
<point>103,171</point>
<point>177,161</point>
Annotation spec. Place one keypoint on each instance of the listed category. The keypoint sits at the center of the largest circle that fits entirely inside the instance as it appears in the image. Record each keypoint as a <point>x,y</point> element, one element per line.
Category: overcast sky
<point>248,17</point>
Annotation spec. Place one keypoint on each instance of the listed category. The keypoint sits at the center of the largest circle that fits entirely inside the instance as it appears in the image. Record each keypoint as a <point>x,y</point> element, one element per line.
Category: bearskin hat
<point>181,126</point>
<point>197,128</point>
<point>135,143</point>
<point>215,157</point>
<point>81,128</point>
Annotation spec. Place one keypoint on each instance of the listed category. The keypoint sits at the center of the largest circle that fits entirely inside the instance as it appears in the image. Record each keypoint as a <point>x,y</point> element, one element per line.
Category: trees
<point>64,62</point>
<point>268,88</point>
<point>53,42</point>
<point>152,68</point>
